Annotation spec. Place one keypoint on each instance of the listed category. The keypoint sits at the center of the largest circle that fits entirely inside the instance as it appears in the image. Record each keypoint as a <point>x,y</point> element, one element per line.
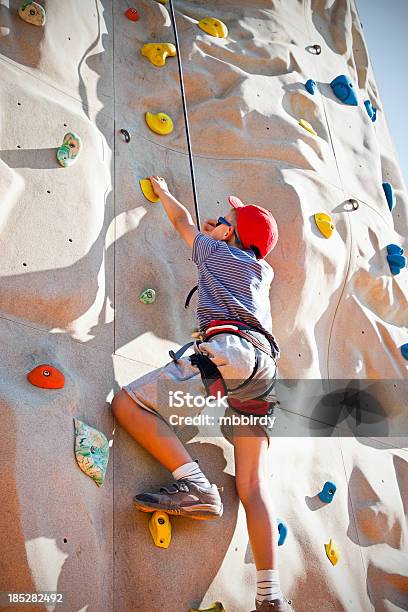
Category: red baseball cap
<point>256,226</point>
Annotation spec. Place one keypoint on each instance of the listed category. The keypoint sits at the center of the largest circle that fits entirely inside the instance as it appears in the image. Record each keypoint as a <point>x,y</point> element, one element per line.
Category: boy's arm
<point>187,231</point>
<point>176,212</point>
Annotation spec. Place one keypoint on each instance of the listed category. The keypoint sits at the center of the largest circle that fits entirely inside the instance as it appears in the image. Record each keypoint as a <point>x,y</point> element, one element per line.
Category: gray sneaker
<point>276,605</point>
<point>183,498</point>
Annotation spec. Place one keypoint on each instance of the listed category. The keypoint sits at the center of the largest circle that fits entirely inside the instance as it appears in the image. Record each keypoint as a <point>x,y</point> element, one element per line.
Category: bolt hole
<point>69,38</point>
<point>65,540</point>
<point>267,128</point>
<point>24,263</point>
<point>18,147</point>
<point>48,191</point>
<point>65,125</point>
<point>18,103</point>
<point>69,239</point>
<point>300,355</point>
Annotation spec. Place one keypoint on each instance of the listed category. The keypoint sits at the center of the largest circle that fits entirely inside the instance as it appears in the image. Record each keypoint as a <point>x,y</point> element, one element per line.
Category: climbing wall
<point>80,243</point>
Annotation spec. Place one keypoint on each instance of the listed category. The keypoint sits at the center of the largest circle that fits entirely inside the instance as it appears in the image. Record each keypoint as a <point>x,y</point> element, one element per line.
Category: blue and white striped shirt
<point>232,284</point>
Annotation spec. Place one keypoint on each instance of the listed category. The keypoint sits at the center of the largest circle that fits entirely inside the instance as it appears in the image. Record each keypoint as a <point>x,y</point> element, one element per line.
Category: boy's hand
<point>209,225</point>
<point>159,185</point>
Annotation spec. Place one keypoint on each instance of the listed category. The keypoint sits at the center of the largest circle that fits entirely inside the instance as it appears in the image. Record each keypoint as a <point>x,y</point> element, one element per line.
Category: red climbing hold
<point>46,377</point>
<point>132,14</point>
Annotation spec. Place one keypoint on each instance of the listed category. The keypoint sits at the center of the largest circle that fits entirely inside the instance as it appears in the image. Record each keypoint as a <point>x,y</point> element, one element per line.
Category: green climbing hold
<point>32,12</point>
<point>148,296</point>
<point>91,451</point>
<point>214,607</point>
<point>69,150</point>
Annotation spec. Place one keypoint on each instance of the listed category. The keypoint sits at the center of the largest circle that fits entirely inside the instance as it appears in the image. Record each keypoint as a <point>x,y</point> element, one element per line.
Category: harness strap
<point>210,374</point>
<point>176,355</point>
<point>189,296</point>
<point>238,328</point>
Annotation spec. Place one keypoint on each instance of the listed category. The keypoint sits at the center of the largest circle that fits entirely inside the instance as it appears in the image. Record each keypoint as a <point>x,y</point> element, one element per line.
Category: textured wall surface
<point>79,244</point>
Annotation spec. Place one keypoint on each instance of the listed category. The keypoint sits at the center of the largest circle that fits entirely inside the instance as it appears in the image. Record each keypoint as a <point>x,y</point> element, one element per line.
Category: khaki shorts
<point>176,391</point>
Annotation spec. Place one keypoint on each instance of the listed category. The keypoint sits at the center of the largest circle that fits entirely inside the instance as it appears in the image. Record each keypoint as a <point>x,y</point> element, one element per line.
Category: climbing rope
<point>183,97</point>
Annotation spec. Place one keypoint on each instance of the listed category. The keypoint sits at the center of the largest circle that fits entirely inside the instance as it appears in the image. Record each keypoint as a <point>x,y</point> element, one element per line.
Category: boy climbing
<point>236,352</point>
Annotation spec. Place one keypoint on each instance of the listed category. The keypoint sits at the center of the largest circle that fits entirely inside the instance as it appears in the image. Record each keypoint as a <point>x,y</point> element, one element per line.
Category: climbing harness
<point>211,376</point>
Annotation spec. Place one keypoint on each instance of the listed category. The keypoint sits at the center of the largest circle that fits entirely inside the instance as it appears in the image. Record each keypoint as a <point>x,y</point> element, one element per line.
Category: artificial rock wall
<point>79,244</point>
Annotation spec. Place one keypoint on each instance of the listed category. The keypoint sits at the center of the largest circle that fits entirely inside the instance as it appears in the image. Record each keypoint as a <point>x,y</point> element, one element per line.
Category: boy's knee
<point>249,486</point>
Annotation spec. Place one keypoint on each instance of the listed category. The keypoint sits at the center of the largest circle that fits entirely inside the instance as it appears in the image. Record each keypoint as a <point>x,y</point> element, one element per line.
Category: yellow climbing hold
<point>306,125</point>
<point>158,52</point>
<point>160,123</point>
<point>160,528</point>
<point>162,1</point>
<point>332,552</point>
<point>214,27</point>
<point>147,190</point>
<point>324,223</point>
<point>214,607</point>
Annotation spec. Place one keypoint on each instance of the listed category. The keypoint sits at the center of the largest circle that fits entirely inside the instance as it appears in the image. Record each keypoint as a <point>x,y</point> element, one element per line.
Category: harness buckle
<point>198,335</point>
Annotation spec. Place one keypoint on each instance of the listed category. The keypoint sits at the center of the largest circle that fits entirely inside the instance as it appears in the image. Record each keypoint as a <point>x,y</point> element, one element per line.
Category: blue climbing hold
<point>396,258</point>
<point>311,86</point>
<point>369,109</point>
<point>327,493</point>
<point>404,350</point>
<point>389,194</point>
<point>283,531</point>
<point>343,90</point>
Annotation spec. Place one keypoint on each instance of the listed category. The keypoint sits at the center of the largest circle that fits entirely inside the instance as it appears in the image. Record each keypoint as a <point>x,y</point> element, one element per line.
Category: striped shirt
<point>232,284</point>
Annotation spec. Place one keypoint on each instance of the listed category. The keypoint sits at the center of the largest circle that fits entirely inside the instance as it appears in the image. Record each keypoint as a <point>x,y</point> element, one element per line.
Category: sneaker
<point>183,498</point>
<point>276,605</point>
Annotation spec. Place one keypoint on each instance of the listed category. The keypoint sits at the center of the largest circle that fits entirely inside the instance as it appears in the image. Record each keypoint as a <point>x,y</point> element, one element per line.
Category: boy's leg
<point>193,495</point>
<point>250,451</point>
<point>150,431</point>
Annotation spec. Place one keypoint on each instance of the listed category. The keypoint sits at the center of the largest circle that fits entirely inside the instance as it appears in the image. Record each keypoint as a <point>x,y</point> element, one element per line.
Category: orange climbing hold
<point>46,377</point>
<point>132,14</point>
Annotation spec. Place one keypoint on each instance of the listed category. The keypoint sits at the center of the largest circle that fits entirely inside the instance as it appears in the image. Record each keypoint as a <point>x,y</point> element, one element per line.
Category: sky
<point>385,28</point>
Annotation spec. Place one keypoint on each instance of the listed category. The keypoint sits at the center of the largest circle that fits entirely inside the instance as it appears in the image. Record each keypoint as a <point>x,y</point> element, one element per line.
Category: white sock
<point>191,471</point>
<point>268,585</point>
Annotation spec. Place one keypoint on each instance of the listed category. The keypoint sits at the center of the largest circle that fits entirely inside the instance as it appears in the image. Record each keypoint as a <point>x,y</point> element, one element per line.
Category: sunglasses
<point>223,221</point>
